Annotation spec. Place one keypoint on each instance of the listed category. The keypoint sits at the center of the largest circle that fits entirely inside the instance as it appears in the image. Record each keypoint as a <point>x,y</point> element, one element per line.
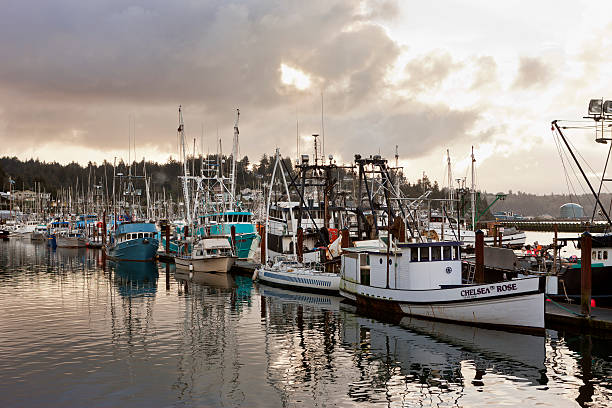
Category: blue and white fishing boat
<point>246,237</point>
<point>133,241</point>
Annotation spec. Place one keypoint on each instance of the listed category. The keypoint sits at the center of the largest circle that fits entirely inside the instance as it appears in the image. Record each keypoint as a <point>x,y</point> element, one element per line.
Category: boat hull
<point>326,282</point>
<point>601,284</point>
<point>70,242</point>
<point>515,305</point>
<point>221,264</point>
<point>138,250</point>
<point>38,236</point>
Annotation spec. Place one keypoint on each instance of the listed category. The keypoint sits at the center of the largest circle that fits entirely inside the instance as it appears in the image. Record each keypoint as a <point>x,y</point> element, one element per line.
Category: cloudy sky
<point>426,76</point>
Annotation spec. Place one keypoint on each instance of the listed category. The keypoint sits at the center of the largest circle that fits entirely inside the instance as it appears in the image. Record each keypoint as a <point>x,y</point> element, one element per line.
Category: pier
<point>566,316</point>
<point>549,226</point>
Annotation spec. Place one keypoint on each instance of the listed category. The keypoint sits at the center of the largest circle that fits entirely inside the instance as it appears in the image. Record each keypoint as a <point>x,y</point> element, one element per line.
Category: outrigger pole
<point>603,210</point>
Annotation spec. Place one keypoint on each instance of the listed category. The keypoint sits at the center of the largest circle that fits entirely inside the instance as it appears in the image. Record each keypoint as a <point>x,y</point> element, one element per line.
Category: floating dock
<point>566,316</point>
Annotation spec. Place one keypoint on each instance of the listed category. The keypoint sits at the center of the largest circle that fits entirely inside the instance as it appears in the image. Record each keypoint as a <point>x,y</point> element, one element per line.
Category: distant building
<point>571,210</point>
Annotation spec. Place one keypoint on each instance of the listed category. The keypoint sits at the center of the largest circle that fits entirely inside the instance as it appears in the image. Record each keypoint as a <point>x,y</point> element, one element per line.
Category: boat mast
<point>234,154</point>
<point>473,193</point>
<point>451,193</point>
<point>181,131</point>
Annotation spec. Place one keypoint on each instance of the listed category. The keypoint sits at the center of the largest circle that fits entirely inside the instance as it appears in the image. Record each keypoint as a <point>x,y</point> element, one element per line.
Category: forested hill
<point>52,177</point>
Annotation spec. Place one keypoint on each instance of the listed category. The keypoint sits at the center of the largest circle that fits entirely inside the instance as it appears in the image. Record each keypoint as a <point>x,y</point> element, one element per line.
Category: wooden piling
<point>233,233</point>
<point>300,244</point>
<point>167,231</point>
<point>585,273</point>
<point>555,250</point>
<point>345,243</point>
<point>263,244</point>
<point>104,228</point>
<point>479,275</point>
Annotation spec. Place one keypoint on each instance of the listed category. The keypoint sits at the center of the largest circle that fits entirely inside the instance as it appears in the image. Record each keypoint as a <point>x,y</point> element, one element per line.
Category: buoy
<point>255,274</point>
<point>548,300</point>
<point>592,302</point>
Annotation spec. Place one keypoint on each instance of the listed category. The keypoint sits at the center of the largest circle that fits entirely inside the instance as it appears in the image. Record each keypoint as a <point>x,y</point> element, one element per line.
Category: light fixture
<point>595,107</point>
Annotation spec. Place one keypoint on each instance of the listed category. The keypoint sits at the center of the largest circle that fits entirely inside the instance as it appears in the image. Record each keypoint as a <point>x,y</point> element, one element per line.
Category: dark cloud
<point>532,72</point>
<point>418,130</point>
<point>72,72</point>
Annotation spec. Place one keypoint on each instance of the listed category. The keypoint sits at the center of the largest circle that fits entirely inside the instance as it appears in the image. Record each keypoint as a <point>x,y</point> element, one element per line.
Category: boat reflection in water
<point>212,279</point>
<point>135,279</point>
<point>415,362</point>
<point>317,300</point>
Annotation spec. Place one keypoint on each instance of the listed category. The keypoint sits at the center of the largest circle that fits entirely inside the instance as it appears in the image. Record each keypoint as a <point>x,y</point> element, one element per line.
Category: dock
<point>567,316</point>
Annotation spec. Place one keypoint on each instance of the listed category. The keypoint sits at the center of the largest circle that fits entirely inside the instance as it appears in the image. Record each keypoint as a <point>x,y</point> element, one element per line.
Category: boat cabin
<point>407,266</point>
<point>212,247</point>
<point>601,249</point>
<point>132,231</point>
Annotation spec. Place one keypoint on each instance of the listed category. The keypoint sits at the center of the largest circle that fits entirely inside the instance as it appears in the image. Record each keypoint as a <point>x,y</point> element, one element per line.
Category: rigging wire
<point>586,162</point>
<point>570,186</point>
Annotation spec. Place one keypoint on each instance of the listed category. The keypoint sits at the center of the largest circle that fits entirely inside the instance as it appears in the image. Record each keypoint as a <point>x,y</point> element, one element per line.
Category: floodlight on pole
<point>595,107</point>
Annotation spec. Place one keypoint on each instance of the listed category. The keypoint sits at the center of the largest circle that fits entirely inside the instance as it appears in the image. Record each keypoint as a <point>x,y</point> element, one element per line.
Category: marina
<point>305,204</point>
<point>127,336</point>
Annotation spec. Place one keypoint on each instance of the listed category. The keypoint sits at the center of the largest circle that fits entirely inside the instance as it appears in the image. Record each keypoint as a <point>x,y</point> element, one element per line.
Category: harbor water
<point>76,331</point>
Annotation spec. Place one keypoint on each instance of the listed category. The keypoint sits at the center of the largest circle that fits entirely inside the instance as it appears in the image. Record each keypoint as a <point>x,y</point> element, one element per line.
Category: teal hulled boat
<point>134,241</point>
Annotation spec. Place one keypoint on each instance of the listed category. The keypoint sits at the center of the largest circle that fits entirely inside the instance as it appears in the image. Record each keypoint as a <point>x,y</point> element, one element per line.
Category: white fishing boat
<point>208,254</point>
<point>25,230</point>
<point>424,279</point>
<point>290,271</point>
<point>70,239</point>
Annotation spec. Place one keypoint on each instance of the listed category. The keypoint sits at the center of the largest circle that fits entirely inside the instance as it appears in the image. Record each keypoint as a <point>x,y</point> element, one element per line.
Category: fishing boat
<point>423,279</point>
<point>291,271</point>
<point>246,238</point>
<point>40,233</point>
<point>288,272</point>
<point>133,241</point>
<point>70,239</point>
<point>25,230</point>
<point>208,254</point>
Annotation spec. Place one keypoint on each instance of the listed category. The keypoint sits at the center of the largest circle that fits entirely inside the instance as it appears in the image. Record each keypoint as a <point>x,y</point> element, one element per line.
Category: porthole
<point>380,261</point>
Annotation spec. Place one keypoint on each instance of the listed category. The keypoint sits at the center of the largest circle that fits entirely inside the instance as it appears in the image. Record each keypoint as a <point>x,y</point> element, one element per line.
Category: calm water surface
<point>75,332</point>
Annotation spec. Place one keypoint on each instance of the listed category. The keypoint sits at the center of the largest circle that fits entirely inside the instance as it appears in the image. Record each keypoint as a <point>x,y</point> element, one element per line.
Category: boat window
<point>414,255</point>
<point>446,253</point>
<point>455,252</point>
<point>140,235</point>
<point>594,255</point>
<point>436,253</point>
<point>605,254</point>
<point>424,254</point>
<point>598,254</point>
